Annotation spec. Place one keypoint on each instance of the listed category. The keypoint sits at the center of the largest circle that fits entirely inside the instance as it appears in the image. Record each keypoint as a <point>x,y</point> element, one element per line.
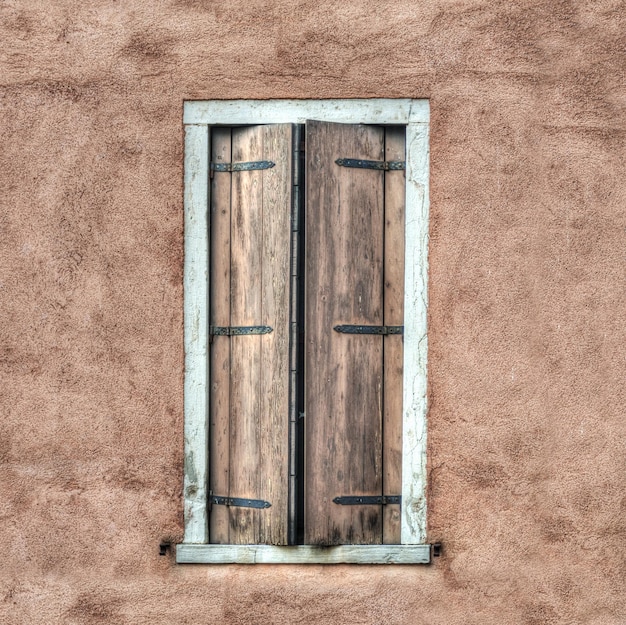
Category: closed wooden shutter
<point>250,234</point>
<point>354,275</point>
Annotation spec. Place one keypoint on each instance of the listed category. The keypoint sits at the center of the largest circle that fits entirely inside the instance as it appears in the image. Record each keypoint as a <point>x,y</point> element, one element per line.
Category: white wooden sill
<point>302,554</point>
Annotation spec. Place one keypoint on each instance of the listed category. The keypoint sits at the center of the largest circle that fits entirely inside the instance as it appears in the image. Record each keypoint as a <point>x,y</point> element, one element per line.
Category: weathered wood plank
<point>219,314</point>
<point>303,554</point>
<point>196,332</point>
<point>395,186</point>
<point>344,285</point>
<point>259,375</point>
<point>347,111</point>
<point>414,405</point>
<point>273,472</point>
<point>246,310</point>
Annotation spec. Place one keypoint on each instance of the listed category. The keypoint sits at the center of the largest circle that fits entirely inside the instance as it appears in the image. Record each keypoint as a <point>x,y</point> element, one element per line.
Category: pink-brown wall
<point>527,452</point>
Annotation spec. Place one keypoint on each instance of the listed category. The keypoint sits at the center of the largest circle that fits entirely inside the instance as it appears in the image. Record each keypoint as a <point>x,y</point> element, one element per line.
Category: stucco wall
<point>527,452</point>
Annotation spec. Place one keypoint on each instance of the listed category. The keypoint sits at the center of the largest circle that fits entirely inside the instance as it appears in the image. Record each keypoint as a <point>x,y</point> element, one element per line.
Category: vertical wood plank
<point>196,332</point>
<point>260,255</point>
<point>344,285</point>
<point>392,345</point>
<point>245,368</point>
<point>219,315</point>
<point>273,472</point>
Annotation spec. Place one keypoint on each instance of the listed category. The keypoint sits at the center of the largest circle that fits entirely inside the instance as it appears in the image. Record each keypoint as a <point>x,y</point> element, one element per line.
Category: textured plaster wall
<point>527,452</point>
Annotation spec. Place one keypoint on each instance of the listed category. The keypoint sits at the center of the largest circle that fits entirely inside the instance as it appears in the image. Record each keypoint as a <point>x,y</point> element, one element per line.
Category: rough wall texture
<point>527,330</point>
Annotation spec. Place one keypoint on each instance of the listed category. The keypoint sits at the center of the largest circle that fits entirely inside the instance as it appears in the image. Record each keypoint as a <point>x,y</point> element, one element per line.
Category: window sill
<point>302,554</point>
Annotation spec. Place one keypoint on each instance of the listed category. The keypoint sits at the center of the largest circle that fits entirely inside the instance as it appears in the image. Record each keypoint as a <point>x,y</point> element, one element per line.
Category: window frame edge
<point>198,118</point>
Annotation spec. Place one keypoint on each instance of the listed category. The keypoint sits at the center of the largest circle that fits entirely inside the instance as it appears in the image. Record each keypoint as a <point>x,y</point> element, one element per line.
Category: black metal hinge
<point>363,164</point>
<point>238,330</point>
<point>238,502</point>
<point>381,500</point>
<point>248,166</point>
<point>348,329</point>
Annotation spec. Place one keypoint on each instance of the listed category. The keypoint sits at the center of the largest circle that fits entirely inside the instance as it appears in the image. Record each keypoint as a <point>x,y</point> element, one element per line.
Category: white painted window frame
<point>198,118</point>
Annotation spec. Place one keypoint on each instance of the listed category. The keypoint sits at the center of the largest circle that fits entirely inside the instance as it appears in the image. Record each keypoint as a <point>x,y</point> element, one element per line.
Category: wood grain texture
<point>395,184</point>
<point>343,378</point>
<point>258,284</point>
<point>245,366</point>
<point>345,111</point>
<point>196,332</point>
<point>414,404</point>
<point>275,312</point>
<point>303,554</point>
<point>219,469</point>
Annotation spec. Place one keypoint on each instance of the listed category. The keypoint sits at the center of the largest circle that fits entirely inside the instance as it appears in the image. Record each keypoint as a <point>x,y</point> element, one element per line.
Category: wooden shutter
<point>250,261</point>
<point>354,275</point>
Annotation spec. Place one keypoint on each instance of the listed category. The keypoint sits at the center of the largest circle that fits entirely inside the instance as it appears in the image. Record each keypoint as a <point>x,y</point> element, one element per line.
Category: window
<point>306,227</point>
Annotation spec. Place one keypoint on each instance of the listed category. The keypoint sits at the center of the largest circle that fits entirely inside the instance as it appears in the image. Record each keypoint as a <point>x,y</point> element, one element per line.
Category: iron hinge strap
<point>238,330</point>
<point>350,329</point>
<point>364,164</point>
<point>239,502</point>
<point>380,500</point>
<point>247,166</point>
